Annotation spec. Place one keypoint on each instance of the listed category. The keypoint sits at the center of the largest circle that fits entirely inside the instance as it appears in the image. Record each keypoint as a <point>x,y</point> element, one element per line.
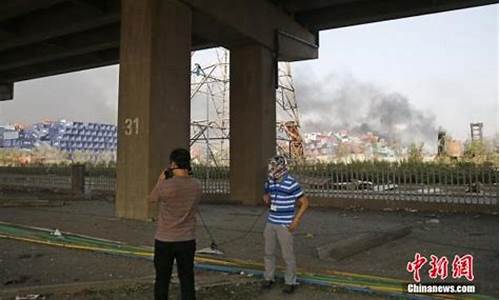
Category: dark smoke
<point>344,103</point>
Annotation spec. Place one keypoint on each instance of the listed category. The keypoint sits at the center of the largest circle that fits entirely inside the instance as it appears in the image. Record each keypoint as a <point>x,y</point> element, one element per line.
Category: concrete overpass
<point>152,41</point>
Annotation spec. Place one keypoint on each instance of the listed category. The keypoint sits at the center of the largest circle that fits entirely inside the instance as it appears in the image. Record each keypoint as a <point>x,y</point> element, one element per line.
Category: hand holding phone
<point>168,173</point>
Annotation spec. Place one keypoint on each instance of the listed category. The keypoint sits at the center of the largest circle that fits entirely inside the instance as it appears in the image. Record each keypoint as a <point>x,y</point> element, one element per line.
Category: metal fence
<point>214,180</point>
<point>100,184</point>
<point>35,181</point>
<point>24,178</point>
<point>425,182</point>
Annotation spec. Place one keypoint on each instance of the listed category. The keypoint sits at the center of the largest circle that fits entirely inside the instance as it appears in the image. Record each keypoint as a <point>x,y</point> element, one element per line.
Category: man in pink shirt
<point>177,194</point>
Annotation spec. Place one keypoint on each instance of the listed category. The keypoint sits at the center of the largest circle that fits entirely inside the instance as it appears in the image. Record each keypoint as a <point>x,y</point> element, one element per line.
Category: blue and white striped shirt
<point>284,195</point>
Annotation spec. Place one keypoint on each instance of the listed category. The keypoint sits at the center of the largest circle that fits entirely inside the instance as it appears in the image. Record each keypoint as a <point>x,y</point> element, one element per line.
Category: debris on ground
<point>474,188</point>
<point>328,224</point>
<point>19,280</point>
<point>385,187</point>
<point>309,235</point>
<point>56,232</point>
<point>432,221</point>
<point>210,251</point>
<point>31,297</point>
<point>426,191</point>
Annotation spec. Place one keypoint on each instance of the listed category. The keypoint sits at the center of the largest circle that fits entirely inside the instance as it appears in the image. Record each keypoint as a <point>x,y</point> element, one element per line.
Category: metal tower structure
<point>289,140</point>
<point>210,113</point>
<point>476,131</point>
<point>210,109</point>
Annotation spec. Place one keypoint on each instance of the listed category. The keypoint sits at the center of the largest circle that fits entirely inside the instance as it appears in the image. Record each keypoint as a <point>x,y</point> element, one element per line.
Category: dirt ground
<point>250,291</point>
<point>24,264</point>
<point>232,287</point>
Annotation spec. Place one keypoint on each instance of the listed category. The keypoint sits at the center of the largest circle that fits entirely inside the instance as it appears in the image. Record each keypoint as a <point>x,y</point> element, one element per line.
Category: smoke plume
<point>345,103</point>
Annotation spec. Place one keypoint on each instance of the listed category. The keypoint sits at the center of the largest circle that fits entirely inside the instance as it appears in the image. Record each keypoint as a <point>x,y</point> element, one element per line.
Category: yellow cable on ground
<point>79,247</point>
<point>366,283</point>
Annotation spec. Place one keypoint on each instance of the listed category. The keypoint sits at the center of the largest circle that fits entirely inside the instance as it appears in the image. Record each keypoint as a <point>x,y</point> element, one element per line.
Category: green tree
<point>482,152</point>
<point>342,151</point>
<point>416,152</point>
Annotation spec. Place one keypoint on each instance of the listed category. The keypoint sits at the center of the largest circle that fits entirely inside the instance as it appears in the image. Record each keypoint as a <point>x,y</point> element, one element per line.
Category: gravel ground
<point>228,292</point>
<point>24,264</point>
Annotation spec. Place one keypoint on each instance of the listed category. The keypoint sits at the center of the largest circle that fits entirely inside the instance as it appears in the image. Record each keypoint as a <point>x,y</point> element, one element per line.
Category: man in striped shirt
<point>283,194</point>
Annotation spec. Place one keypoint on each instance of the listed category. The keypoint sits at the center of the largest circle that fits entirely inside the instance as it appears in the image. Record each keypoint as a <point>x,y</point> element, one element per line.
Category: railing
<point>466,184</point>
<point>214,180</point>
<point>423,182</point>
<point>49,178</point>
<point>35,181</point>
<point>100,180</point>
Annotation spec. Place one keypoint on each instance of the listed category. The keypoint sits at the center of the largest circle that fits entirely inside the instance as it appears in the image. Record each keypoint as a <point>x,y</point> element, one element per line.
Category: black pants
<point>183,253</point>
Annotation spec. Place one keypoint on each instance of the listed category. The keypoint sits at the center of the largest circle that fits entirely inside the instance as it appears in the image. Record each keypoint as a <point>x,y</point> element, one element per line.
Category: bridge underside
<point>152,41</point>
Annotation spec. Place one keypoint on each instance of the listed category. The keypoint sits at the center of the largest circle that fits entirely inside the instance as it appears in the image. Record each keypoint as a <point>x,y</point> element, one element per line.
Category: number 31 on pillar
<point>131,126</point>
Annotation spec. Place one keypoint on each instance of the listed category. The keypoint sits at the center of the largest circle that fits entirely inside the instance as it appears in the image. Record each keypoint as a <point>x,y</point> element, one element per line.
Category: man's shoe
<point>267,284</point>
<point>289,288</point>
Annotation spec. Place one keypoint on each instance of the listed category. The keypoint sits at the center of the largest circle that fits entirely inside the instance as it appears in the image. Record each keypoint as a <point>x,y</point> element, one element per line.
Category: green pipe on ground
<point>355,282</point>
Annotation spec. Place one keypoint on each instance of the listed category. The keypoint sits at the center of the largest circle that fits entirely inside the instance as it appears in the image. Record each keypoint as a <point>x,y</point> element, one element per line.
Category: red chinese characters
<point>462,266</point>
<point>415,266</point>
<point>439,267</point>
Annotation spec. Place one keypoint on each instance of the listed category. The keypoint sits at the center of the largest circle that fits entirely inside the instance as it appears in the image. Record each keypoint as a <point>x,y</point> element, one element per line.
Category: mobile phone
<point>168,173</point>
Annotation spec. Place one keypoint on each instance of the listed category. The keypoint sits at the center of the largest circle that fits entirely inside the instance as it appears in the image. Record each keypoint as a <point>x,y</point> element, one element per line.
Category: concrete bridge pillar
<point>154,97</point>
<point>252,120</point>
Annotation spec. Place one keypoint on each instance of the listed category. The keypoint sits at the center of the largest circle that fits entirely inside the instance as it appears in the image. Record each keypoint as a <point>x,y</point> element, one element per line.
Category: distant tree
<point>81,157</point>
<point>342,151</point>
<point>416,152</point>
<point>475,151</point>
<point>47,154</point>
<point>480,152</point>
<point>104,158</point>
<point>4,157</point>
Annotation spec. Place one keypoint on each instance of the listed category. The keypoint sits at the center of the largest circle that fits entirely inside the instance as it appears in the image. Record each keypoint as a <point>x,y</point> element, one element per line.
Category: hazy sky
<point>444,65</point>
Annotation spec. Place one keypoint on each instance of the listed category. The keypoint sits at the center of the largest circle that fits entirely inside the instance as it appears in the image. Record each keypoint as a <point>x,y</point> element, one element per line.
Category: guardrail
<point>467,184</point>
<point>470,185</point>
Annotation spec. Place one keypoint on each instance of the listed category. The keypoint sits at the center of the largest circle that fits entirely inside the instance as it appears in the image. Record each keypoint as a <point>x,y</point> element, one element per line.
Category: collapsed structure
<point>346,146</point>
<point>63,135</point>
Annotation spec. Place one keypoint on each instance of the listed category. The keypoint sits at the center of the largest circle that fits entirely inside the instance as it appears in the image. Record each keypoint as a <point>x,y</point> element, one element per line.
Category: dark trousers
<point>183,253</point>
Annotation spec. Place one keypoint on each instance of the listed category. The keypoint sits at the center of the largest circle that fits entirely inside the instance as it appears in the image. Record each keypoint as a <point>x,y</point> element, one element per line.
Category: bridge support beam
<point>154,97</point>
<point>252,120</point>
<point>6,91</point>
